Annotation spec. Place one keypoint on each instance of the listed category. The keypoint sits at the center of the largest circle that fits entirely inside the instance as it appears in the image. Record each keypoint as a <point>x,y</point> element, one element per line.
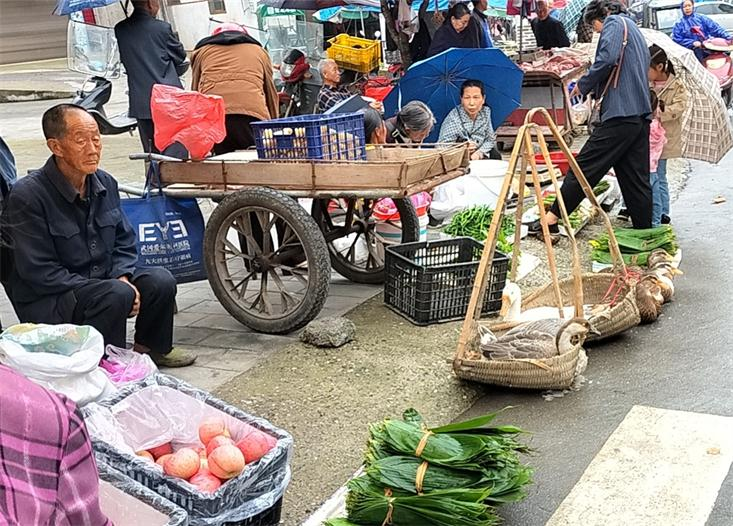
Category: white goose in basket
<point>511,308</point>
<point>536,339</point>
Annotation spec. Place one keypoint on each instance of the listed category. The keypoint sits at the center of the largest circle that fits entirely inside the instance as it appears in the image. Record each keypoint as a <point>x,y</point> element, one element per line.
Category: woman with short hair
<point>470,121</point>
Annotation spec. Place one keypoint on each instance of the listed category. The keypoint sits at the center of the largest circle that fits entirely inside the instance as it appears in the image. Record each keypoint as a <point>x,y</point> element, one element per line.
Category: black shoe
<point>623,214</point>
<point>535,228</point>
<point>666,220</point>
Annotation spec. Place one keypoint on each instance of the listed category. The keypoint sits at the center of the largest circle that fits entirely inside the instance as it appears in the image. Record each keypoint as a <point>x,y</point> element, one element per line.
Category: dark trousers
<point>239,134</point>
<point>621,144</point>
<point>105,305</point>
<point>146,129</point>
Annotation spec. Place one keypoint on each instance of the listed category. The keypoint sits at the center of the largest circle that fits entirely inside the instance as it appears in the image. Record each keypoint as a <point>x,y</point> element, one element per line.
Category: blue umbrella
<point>437,81</point>
<point>66,7</point>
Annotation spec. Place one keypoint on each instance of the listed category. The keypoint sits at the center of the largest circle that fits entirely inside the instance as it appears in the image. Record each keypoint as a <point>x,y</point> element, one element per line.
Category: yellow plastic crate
<point>357,54</point>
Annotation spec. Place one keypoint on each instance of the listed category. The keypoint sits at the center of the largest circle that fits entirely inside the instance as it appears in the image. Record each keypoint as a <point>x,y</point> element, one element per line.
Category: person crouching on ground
<point>471,121</point>
<point>621,139</point>
<point>233,65</point>
<point>412,124</point>
<point>73,251</point>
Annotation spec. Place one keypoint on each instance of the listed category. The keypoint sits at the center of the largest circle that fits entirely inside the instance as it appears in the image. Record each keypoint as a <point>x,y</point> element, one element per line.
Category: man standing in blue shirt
<point>482,22</point>
<point>621,140</point>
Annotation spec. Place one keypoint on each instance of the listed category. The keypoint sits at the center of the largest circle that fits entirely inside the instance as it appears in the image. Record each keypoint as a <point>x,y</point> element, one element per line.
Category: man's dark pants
<point>621,144</point>
<point>105,305</point>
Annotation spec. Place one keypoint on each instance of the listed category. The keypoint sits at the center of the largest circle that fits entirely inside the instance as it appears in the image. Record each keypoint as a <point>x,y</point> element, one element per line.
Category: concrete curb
<point>26,95</point>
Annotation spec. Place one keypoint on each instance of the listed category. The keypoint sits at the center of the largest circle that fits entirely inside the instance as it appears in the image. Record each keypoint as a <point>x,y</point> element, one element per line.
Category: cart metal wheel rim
<point>362,249</point>
<point>259,263</point>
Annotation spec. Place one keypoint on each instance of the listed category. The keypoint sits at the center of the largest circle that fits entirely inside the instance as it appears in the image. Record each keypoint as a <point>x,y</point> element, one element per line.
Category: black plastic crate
<point>326,137</point>
<point>431,281</point>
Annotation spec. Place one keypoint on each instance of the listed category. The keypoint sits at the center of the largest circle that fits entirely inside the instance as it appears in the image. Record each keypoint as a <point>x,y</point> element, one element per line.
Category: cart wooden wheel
<point>267,260</point>
<point>349,227</point>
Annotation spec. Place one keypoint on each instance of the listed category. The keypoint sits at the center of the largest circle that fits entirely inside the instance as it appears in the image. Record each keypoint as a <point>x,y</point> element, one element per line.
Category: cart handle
<point>152,157</point>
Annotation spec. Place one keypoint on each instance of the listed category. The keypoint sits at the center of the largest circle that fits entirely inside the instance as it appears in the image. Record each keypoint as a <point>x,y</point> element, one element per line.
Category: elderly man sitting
<point>332,92</point>
<point>73,250</point>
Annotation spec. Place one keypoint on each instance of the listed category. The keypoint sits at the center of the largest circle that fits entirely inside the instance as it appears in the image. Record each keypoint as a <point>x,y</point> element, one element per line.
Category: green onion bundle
<point>448,476</point>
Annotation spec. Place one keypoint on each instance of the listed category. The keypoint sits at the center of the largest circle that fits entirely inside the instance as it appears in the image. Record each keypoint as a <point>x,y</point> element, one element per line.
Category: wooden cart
<point>550,91</point>
<point>268,260</point>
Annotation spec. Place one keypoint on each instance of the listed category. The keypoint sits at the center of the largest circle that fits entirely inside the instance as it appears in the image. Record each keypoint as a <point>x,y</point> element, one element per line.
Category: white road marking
<point>658,468</point>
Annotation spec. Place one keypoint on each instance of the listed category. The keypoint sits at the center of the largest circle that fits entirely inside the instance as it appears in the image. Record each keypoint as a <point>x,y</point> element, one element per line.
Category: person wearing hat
<point>234,66</point>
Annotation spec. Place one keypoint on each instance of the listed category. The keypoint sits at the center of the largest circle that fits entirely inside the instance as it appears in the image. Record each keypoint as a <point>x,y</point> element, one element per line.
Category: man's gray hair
<point>416,116</point>
<point>323,63</point>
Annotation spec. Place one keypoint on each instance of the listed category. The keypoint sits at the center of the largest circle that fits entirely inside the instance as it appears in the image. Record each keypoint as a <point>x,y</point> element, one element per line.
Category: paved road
<point>683,362</point>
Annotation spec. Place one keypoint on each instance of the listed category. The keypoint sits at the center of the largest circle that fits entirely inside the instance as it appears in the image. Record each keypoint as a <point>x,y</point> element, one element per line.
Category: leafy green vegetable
<point>475,222</point>
<point>635,244</point>
<point>369,504</point>
<point>601,187</point>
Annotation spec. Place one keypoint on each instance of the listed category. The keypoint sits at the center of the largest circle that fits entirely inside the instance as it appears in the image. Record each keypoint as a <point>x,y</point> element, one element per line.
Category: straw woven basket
<point>623,315</point>
<point>557,372</point>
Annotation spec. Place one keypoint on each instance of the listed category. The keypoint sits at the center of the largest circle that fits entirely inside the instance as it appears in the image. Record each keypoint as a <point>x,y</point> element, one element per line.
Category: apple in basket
<point>226,461</point>
<point>210,428</point>
<point>184,463</point>
<point>159,451</point>
<point>145,455</point>
<point>255,446</point>
<point>205,482</point>
<point>216,442</point>
<point>162,459</point>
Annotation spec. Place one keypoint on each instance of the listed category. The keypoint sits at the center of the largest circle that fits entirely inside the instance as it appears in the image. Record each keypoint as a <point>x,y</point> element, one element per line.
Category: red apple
<point>255,446</point>
<point>184,463</point>
<point>205,482</point>
<point>159,451</point>
<point>210,428</point>
<point>216,442</point>
<point>226,461</point>
<point>146,455</point>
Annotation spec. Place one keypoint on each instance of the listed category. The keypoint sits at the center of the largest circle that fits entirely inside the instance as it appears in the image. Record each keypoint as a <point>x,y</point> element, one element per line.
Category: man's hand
<point>477,155</point>
<point>135,304</point>
<point>697,43</point>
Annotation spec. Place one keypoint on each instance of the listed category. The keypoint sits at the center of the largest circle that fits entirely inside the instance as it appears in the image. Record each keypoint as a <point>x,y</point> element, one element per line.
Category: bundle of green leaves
<point>453,475</point>
<point>475,222</point>
<point>635,244</point>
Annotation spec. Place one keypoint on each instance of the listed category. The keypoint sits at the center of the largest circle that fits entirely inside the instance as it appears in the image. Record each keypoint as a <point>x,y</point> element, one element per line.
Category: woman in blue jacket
<point>694,28</point>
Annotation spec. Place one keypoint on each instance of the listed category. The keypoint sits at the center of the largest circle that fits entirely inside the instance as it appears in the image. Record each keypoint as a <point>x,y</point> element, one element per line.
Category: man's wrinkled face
<point>331,73</point>
<point>80,146</point>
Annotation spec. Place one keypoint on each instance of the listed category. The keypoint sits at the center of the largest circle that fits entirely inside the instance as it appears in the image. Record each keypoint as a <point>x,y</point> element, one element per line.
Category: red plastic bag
<point>189,117</point>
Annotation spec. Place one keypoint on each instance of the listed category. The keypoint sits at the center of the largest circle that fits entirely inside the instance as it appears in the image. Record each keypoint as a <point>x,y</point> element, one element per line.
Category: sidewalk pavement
<point>225,347</point>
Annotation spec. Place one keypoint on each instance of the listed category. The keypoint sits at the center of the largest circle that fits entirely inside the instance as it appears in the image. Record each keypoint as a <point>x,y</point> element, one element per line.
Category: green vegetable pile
<point>601,187</point>
<point>475,222</point>
<point>576,219</point>
<point>636,245</point>
<point>448,476</point>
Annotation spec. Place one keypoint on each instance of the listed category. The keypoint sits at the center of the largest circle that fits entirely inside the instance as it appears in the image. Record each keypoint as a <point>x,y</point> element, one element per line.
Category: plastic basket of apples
<point>218,463</point>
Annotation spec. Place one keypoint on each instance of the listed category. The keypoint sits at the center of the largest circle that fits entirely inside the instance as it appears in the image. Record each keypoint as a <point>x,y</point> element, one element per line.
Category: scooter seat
<point>115,125</point>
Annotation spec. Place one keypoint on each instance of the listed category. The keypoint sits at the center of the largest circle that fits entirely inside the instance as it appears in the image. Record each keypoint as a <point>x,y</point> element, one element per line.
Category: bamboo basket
<point>558,371</point>
<point>621,316</point>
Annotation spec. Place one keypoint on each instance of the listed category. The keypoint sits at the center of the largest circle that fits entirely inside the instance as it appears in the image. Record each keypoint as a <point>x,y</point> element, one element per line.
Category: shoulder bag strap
<point>614,76</point>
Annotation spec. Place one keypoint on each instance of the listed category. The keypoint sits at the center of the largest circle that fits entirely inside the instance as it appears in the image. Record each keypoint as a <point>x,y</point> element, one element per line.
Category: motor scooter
<point>718,62</point>
<point>301,83</point>
<point>93,95</point>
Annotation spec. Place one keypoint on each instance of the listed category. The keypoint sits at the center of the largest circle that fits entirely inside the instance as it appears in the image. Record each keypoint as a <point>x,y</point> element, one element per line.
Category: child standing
<point>673,94</point>
<point>657,140</point>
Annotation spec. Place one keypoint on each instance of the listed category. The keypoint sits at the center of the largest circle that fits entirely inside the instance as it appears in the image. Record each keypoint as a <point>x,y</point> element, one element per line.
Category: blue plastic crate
<point>325,137</point>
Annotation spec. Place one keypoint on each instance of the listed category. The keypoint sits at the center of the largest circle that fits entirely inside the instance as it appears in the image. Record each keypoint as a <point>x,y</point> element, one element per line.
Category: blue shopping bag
<point>169,231</point>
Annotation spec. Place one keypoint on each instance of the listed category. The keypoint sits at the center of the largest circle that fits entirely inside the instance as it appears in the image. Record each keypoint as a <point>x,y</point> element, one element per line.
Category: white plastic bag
<point>123,366</point>
<point>64,358</point>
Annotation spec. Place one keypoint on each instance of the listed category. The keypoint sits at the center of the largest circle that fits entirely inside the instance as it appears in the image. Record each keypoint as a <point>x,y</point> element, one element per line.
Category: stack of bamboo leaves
<point>636,245</point>
<point>454,475</point>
